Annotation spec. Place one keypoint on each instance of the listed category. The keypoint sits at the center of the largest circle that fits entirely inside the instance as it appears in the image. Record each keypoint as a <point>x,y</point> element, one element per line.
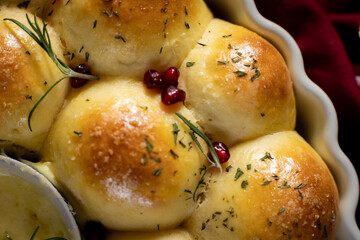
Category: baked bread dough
<point>172,234</point>
<point>239,86</point>
<point>277,187</point>
<point>113,147</point>
<point>129,37</point>
<point>26,73</point>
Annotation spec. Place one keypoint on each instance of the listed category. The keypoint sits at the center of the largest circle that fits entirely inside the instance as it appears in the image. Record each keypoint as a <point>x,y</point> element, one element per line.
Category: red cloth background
<point>327,32</point>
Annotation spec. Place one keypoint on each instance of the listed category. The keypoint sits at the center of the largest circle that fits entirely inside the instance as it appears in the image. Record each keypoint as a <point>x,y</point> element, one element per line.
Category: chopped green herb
<point>188,191</point>
<point>116,13</point>
<point>284,185</point>
<point>256,75</point>
<point>227,169</point>
<point>95,23</point>
<point>201,44</point>
<point>248,167</point>
<point>187,25</point>
<point>266,182</point>
<point>106,13</point>
<point>238,174</point>
<point>87,55</point>
<point>186,12</point>
<point>203,226</point>
<point>240,73</point>
<point>28,53</point>
<point>156,159</point>
<point>226,36</point>
<point>269,222</point>
<point>276,177</point>
<point>267,156</point>
<point>182,144</point>
<point>149,145</point>
<point>223,62</point>
<point>229,46</point>
<point>244,184</point>
<point>190,64</point>
<point>165,24</point>
<point>281,210</point>
<point>158,172</point>
<point>176,130</point>
<point>301,186</point>
<point>120,37</point>
<point>77,133</point>
<point>29,97</point>
<point>262,114</point>
<point>300,193</point>
<point>174,154</point>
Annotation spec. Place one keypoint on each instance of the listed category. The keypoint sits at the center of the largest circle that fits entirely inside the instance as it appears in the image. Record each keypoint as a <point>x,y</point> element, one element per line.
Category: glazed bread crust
<point>129,37</point>
<point>273,186</point>
<point>26,73</point>
<point>239,85</point>
<point>113,147</point>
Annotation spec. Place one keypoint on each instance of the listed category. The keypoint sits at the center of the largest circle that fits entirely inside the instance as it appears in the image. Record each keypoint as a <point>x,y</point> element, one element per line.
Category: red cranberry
<point>171,95</point>
<point>76,82</point>
<point>152,79</point>
<point>170,77</point>
<point>222,152</point>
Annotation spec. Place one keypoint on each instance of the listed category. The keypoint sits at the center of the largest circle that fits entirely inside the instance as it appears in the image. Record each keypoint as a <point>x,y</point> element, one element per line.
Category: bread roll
<point>238,84</point>
<point>29,5</point>
<point>129,37</point>
<point>26,73</point>
<point>172,234</point>
<point>274,187</point>
<point>113,147</point>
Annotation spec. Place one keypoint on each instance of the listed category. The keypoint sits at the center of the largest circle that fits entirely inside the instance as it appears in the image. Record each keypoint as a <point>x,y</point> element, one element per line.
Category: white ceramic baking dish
<point>50,193</point>
<point>317,120</point>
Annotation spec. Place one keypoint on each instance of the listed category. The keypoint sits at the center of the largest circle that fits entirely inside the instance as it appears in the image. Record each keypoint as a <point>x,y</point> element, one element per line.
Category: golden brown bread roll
<point>26,73</point>
<point>129,37</point>
<point>113,147</point>
<point>273,187</point>
<point>237,84</point>
<point>172,234</point>
<point>29,5</point>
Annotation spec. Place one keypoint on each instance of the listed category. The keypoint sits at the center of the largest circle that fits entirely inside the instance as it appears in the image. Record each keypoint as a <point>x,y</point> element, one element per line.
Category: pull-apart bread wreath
<point>133,161</point>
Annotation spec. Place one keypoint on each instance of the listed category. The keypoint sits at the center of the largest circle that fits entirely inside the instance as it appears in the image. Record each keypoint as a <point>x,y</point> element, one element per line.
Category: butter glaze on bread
<point>26,72</point>
<point>285,191</point>
<point>113,148</point>
<point>239,86</point>
<point>172,234</point>
<point>129,37</point>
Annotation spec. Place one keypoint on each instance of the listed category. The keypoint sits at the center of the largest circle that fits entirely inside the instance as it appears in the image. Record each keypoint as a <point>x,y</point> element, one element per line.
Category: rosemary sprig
<point>53,238</point>
<point>215,163</point>
<point>41,36</point>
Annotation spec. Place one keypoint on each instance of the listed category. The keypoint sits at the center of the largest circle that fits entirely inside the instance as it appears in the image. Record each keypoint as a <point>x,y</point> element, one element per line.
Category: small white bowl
<point>317,120</point>
<point>23,172</point>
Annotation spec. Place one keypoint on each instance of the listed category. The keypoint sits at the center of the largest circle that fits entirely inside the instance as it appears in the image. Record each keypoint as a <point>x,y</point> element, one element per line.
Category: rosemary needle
<point>41,36</point>
<point>215,163</point>
<point>53,238</point>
